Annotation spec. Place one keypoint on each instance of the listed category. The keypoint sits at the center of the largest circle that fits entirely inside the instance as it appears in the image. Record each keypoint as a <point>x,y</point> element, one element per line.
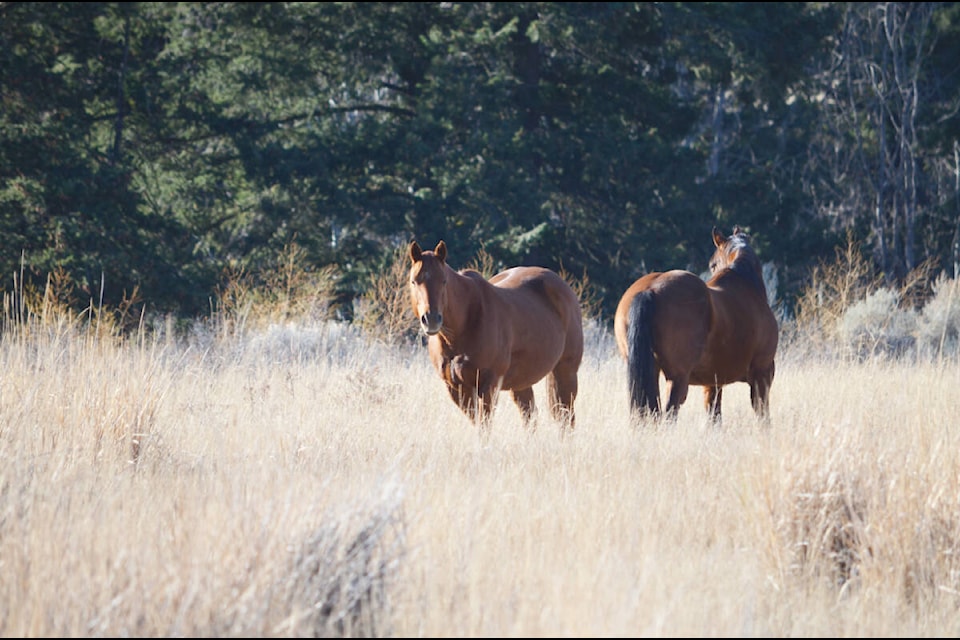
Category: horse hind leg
<point>525,402</point>
<point>562,389</point>
<point>679,386</point>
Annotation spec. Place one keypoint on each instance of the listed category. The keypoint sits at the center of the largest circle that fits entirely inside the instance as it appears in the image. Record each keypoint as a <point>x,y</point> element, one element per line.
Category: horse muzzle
<point>431,323</point>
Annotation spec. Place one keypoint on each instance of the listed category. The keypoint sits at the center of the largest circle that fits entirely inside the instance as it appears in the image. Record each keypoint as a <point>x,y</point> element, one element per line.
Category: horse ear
<point>441,251</point>
<point>737,230</point>
<point>718,238</point>
<point>416,253</point>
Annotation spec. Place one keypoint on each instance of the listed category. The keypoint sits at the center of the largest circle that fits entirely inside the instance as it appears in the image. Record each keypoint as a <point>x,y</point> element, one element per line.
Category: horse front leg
<point>477,405</point>
<point>470,388</point>
<point>486,400</point>
<point>760,392</point>
<point>465,398</point>
<point>487,391</point>
<point>712,398</point>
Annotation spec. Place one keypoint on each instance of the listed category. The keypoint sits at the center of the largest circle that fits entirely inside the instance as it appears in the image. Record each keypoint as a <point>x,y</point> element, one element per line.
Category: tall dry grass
<point>304,481</point>
<point>275,473</point>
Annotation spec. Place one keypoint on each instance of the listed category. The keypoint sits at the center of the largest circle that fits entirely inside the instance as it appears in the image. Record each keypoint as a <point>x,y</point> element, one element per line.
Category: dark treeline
<point>153,147</point>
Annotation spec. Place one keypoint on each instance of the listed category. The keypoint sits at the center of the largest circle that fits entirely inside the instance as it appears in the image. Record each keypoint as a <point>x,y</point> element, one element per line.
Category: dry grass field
<point>308,482</point>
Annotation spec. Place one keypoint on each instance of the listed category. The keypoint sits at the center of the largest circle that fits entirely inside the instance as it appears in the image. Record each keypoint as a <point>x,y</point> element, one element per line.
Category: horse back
<point>529,287</point>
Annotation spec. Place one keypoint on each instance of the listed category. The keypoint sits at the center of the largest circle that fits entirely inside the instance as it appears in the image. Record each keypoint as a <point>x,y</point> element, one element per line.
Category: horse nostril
<point>431,322</point>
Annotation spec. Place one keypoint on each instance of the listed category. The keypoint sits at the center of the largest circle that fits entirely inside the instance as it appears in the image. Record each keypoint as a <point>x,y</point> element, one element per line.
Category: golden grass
<point>302,481</point>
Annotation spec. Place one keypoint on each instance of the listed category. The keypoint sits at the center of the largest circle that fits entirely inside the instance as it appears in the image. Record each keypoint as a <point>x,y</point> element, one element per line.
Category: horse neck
<point>462,293</point>
<point>747,268</point>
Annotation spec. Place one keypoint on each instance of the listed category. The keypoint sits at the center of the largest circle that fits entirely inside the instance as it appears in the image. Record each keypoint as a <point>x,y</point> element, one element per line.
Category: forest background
<point>153,153</point>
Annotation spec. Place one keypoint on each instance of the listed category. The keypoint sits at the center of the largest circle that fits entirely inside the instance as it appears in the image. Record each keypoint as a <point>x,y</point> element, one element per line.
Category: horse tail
<point>642,375</point>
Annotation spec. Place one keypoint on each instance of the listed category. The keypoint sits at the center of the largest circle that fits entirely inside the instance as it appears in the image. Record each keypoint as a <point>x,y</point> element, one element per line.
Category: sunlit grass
<point>304,481</point>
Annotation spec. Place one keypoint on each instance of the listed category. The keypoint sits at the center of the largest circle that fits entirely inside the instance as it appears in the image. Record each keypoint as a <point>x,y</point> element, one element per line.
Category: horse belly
<point>533,357</point>
<point>714,371</point>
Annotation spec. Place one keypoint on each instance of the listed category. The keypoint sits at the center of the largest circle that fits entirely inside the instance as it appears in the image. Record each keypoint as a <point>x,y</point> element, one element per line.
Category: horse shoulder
<point>481,338</point>
<point>743,319</point>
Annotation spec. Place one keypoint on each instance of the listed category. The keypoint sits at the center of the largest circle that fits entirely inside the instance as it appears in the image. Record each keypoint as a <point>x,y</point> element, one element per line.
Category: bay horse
<point>509,332</point>
<point>708,334</point>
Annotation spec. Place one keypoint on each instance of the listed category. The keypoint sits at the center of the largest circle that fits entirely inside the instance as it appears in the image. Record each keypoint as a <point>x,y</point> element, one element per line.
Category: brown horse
<point>707,334</point>
<point>509,332</point>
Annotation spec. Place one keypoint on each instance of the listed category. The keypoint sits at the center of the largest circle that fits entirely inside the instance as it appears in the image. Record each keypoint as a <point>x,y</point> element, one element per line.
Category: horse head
<point>428,285</point>
<point>736,254</point>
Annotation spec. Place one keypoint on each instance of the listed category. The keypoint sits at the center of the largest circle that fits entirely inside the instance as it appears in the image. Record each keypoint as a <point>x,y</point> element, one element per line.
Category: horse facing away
<point>708,334</point>
<point>522,325</point>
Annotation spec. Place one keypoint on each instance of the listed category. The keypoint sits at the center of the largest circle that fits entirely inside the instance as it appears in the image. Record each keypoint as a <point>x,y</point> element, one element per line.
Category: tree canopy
<point>149,147</point>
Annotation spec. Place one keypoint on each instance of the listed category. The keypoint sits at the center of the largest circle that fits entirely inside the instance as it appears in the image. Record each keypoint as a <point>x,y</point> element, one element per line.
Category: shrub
<point>293,292</point>
<point>60,307</point>
<point>938,325</point>
<point>833,288</point>
<point>847,305</point>
<point>383,311</point>
<point>877,326</point>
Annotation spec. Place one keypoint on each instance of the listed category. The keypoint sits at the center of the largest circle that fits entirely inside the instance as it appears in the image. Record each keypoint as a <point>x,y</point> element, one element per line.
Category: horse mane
<point>747,264</point>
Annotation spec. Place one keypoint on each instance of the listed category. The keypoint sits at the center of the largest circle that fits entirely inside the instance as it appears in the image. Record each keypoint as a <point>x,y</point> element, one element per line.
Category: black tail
<point>642,374</point>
